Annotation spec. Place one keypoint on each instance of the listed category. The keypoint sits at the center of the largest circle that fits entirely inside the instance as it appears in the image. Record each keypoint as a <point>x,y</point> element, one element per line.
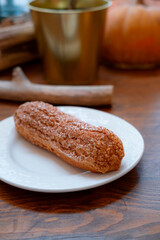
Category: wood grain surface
<point>128,208</point>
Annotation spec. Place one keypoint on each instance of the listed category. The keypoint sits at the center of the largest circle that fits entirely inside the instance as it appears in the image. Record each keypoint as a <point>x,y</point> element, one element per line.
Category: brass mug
<point>69,39</point>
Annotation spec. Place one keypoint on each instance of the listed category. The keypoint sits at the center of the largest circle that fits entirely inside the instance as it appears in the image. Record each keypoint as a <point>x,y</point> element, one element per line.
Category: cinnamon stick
<point>20,88</point>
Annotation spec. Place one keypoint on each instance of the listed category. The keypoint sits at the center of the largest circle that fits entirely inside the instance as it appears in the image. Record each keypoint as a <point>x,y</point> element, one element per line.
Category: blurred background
<point>131,34</point>
<point>13,8</point>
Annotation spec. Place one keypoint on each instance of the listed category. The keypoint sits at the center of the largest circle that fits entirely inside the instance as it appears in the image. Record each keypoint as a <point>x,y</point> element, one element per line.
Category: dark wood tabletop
<point>128,208</point>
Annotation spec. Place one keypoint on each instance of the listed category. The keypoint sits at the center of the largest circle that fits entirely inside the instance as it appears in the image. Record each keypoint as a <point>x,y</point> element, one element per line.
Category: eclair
<point>80,144</point>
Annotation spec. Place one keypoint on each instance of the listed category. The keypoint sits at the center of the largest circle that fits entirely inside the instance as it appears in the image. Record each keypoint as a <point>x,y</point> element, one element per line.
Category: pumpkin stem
<point>140,2</point>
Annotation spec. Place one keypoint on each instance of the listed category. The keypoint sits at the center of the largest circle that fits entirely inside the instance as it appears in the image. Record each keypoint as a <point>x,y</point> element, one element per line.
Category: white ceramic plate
<point>29,167</point>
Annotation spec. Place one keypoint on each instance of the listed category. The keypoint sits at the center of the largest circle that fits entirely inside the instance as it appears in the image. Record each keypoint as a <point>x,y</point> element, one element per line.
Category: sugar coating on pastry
<point>82,145</point>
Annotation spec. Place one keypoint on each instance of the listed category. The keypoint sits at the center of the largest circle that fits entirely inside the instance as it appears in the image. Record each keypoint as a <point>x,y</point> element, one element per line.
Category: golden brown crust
<point>85,146</point>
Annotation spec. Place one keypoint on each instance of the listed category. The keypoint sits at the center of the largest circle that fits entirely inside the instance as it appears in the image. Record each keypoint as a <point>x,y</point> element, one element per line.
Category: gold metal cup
<point>69,39</point>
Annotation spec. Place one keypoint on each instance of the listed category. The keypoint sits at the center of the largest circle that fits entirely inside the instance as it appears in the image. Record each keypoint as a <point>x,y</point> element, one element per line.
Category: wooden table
<point>128,208</point>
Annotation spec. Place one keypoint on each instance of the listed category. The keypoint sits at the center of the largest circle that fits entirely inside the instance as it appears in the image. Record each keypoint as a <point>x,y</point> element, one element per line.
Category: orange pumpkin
<point>132,36</point>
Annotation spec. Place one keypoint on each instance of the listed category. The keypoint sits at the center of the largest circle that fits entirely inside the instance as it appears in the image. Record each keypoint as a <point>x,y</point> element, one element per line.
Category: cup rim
<point>69,11</point>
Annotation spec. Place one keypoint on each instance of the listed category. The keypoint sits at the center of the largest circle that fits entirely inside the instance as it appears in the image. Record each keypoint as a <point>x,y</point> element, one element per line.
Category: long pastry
<point>80,144</point>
